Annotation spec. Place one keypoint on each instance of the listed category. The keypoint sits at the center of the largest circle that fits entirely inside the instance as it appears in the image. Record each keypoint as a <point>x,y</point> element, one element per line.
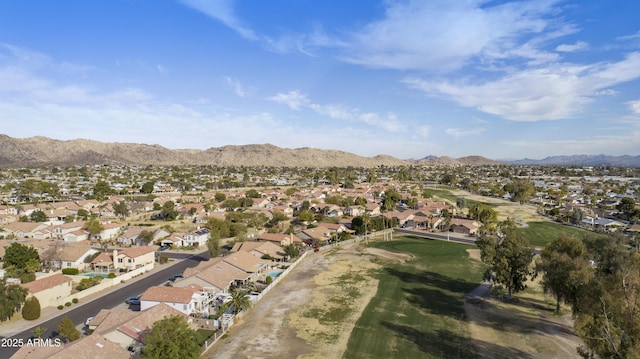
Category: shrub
<point>111,275</point>
<point>67,304</point>
<point>89,282</point>
<point>70,271</point>
<point>27,277</point>
<point>268,280</point>
<point>60,306</point>
<point>31,309</point>
<point>163,259</point>
<point>74,300</point>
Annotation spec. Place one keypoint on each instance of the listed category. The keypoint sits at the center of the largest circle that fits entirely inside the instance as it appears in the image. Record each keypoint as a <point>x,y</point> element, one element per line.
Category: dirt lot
<point>312,312</point>
<point>307,315</point>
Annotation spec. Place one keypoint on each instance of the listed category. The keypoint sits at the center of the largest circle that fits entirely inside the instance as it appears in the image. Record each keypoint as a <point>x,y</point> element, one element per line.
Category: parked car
<point>165,247</point>
<point>176,276</point>
<point>135,300</point>
<point>86,322</point>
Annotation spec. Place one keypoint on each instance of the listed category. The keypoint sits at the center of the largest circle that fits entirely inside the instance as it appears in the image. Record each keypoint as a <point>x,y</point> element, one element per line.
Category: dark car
<point>176,276</point>
<point>164,247</point>
<point>135,300</point>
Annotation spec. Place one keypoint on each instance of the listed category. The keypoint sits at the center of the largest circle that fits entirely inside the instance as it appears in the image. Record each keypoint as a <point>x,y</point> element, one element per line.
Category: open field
<point>418,309</point>
<point>397,299</point>
<point>541,233</point>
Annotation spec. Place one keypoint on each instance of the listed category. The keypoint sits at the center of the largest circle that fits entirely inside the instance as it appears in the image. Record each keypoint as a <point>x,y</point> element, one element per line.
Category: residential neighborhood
<point>95,228</point>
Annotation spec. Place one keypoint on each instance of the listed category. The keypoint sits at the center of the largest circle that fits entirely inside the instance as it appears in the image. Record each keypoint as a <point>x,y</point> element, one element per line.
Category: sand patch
<point>474,253</point>
<point>401,257</point>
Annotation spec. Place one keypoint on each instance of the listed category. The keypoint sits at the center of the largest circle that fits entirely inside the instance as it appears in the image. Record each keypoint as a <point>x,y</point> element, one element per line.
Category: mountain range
<point>44,151</point>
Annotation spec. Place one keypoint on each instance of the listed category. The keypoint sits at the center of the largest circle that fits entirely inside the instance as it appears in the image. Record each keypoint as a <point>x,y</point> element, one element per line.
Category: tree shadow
<point>518,320</point>
<point>436,301</point>
<point>446,344</point>
<point>455,285</point>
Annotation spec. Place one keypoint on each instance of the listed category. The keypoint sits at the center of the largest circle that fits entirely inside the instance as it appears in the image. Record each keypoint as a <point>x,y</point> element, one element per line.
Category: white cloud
<point>635,106</point>
<point>552,92</point>
<point>443,35</point>
<point>237,86</point>
<point>222,10</point>
<point>578,46</point>
<point>161,69</point>
<point>458,133</point>
<point>294,99</point>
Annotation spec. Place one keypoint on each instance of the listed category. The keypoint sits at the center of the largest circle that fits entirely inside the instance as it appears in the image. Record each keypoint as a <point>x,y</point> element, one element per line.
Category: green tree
<point>102,190</point>
<point>22,256</point>
<point>146,236</point>
<point>147,187</point>
<point>219,196</point>
<point>12,297</point>
<point>83,213</point>
<point>608,311</point>
<point>239,301</point>
<point>521,190</point>
<point>171,338</point>
<point>121,209</point>
<point>252,193</point>
<point>508,259</point>
<point>38,216</point>
<point>565,268</point>
<point>213,245</point>
<point>627,207</point>
<point>94,227</point>
<point>67,329</point>
<point>305,216</point>
<point>291,251</point>
<point>168,211</point>
<point>38,332</point>
<point>31,309</point>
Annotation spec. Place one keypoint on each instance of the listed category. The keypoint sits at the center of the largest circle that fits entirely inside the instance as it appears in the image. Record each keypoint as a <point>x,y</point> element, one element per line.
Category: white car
<point>86,322</point>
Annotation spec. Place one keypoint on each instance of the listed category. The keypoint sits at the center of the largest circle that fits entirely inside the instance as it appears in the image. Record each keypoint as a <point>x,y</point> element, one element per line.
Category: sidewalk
<point>9,329</point>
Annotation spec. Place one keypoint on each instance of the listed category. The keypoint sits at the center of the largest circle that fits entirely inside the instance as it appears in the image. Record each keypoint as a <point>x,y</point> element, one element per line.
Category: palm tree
<point>38,332</point>
<point>239,301</point>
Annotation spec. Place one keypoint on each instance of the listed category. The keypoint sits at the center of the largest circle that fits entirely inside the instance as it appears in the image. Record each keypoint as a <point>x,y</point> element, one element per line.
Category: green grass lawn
<point>418,309</point>
<point>541,233</point>
<point>447,195</point>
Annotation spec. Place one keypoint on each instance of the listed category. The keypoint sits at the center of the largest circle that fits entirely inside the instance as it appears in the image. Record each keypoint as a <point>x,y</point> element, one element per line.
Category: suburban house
<point>246,262</point>
<point>263,250</point>
<point>280,239</point>
<point>124,260</point>
<point>354,211</point>
<point>110,230</point>
<point>130,236</point>
<point>51,290</point>
<point>465,226</point>
<point>67,256</point>
<point>192,300</point>
<point>91,346</point>
<point>126,328</point>
<point>214,275</point>
<point>34,230</point>
<point>197,238</point>
<point>174,240</point>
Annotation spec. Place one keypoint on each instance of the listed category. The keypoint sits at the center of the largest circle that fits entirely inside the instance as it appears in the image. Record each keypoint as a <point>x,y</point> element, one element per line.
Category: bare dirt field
<point>521,212</point>
<point>310,314</point>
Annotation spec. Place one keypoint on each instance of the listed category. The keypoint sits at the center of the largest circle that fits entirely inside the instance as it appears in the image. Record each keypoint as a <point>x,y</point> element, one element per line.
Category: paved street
<point>107,299</point>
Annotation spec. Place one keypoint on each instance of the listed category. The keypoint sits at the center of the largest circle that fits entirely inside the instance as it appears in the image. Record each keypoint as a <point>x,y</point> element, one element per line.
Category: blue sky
<point>501,79</point>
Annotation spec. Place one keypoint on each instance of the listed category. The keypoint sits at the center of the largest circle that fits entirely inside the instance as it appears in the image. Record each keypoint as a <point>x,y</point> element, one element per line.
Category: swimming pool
<point>103,275</point>
<point>273,274</point>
